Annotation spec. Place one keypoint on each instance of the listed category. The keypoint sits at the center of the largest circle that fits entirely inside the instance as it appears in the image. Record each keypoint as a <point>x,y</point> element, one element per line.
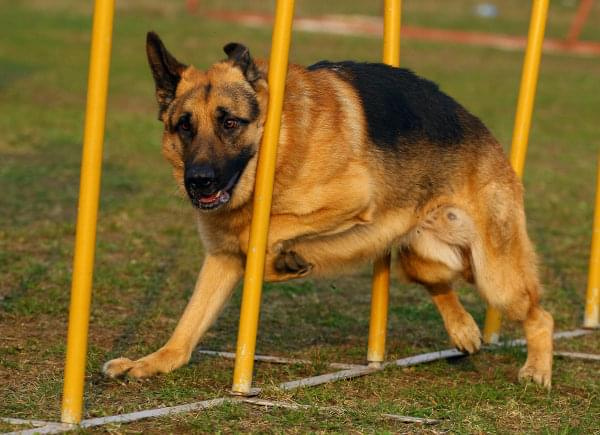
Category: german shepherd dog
<point>371,158</point>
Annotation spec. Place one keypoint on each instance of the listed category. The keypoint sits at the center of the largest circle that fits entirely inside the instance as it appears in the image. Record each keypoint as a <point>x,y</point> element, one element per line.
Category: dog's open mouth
<point>221,197</point>
<point>217,199</point>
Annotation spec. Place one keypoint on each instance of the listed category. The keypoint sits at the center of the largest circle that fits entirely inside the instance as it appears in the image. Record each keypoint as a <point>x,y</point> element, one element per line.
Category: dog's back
<point>416,142</point>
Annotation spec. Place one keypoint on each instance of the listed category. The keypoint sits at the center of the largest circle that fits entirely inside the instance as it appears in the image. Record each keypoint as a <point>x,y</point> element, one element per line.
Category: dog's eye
<point>184,123</point>
<point>230,123</point>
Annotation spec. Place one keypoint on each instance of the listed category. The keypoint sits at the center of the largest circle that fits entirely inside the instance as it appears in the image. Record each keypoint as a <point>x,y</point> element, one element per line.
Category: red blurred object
<point>192,6</point>
<point>581,16</point>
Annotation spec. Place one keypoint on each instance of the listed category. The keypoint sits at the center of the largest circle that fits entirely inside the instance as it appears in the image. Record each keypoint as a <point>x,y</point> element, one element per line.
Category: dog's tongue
<point>209,199</point>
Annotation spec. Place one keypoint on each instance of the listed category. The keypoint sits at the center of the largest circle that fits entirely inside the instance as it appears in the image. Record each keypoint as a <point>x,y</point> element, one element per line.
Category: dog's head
<point>213,123</point>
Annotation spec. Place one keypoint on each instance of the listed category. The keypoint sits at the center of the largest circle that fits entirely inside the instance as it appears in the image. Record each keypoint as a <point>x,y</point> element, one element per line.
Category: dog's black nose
<point>200,178</point>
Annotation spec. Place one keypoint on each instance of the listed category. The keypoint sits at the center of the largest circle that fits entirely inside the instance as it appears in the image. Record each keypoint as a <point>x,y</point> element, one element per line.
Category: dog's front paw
<point>162,361</point>
<point>118,367</point>
<point>279,247</point>
<point>292,263</point>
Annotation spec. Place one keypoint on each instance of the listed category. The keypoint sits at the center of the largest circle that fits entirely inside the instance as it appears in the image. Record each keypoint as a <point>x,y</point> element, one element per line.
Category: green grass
<point>149,253</point>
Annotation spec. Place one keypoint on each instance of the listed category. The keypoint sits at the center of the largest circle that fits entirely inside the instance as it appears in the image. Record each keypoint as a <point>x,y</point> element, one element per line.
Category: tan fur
<point>337,203</point>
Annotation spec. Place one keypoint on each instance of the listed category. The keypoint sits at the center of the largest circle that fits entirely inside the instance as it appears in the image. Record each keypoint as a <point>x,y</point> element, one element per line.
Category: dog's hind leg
<point>508,281</point>
<point>437,279</point>
<point>506,275</point>
<point>489,246</point>
<point>462,329</point>
<point>434,254</point>
<point>216,280</point>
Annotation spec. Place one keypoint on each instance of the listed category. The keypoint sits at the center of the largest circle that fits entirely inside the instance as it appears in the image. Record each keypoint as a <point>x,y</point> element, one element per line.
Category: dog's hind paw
<point>540,375</point>
<point>292,263</point>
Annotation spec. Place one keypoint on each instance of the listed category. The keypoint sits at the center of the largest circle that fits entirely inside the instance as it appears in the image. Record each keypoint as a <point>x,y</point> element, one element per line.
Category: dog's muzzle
<point>204,187</point>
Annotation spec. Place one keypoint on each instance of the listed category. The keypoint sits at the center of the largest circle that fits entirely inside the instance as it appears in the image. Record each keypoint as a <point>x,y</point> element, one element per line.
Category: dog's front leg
<point>218,277</point>
<point>334,253</point>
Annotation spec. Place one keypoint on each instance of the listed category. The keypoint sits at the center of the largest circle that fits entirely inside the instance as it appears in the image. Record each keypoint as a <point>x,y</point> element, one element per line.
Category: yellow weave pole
<point>380,291</point>
<point>89,192</point>
<point>392,15</point>
<point>263,191</point>
<point>529,77</point>
<point>380,288</point>
<point>592,301</point>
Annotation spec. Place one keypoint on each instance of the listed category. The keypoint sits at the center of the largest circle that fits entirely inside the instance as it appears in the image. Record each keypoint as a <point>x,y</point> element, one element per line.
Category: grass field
<point>148,251</point>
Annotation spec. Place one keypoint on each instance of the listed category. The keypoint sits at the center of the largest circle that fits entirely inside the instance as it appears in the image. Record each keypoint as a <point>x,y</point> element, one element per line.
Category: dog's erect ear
<point>166,71</point>
<point>240,56</point>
